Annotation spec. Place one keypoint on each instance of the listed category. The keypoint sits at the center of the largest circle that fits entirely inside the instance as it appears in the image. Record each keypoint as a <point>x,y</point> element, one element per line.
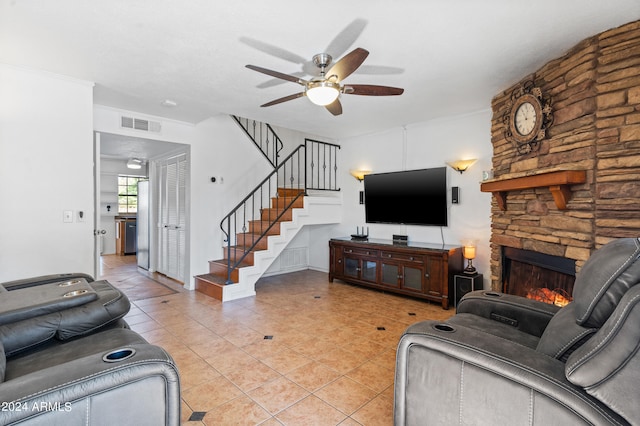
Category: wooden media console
<point>416,269</point>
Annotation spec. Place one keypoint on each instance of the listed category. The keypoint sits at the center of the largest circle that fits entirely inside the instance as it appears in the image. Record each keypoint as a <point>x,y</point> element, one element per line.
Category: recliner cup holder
<point>444,327</point>
<point>75,293</point>
<point>68,283</point>
<point>119,355</point>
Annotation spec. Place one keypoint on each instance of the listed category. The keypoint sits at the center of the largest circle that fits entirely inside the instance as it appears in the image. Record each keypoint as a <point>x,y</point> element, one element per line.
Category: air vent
<point>140,124</point>
<point>293,259</point>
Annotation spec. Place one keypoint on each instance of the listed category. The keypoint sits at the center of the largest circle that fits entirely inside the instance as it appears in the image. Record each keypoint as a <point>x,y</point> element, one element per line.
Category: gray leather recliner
<point>67,357</point>
<point>505,359</point>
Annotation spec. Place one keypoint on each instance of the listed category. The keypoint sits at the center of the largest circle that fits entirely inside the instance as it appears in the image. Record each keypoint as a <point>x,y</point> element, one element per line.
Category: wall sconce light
<point>134,163</point>
<point>469,253</point>
<point>359,174</point>
<point>461,165</point>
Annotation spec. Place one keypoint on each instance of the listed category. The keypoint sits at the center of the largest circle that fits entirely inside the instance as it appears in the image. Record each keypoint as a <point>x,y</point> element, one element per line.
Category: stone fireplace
<point>538,204</point>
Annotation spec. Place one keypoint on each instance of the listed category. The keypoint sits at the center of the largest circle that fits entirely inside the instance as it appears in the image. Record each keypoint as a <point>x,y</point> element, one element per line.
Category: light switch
<point>67,216</point>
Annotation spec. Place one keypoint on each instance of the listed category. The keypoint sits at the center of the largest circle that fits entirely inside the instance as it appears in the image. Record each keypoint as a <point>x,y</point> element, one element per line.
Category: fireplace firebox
<point>538,276</point>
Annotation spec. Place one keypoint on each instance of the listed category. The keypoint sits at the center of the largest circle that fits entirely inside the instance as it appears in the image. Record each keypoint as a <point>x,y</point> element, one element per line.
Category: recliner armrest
<point>30,326</point>
<point>77,383</point>
<point>527,315</point>
<point>450,374</point>
<point>44,279</point>
<point>29,302</point>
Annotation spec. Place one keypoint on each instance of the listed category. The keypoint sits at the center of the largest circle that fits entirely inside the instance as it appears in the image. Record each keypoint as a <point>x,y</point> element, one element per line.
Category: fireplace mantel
<point>558,183</point>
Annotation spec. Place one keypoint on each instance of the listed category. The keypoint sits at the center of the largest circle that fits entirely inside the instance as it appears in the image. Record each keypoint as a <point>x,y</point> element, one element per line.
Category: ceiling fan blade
<point>348,64</point>
<point>371,90</point>
<point>277,74</point>
<point>273,50</point>
<point>334,107</point>
<point>272,82</point>
<point>379,70</point>
<point>346,38</point>
<point>284,99</point>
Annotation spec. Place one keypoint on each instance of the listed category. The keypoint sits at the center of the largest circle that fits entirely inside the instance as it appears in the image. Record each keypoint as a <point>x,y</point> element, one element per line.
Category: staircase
<point>262,225</point>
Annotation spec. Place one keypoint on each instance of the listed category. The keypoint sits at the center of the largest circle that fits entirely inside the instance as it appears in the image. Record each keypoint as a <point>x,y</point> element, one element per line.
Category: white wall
<point>46,167</point>
<point>291,139</point>
<point>107,119</point>
<point>420,145</point>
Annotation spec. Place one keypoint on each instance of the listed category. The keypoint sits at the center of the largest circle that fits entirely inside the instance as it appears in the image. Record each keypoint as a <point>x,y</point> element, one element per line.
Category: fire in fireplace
<point>538,276</point>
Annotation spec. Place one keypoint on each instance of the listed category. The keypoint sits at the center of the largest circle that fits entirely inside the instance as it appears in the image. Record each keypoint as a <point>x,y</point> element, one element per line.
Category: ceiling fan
<point>326,89</point>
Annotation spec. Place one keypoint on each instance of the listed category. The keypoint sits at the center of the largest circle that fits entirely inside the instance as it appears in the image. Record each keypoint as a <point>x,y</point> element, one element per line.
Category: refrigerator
<point>130,236</point>
<point>142,227</point>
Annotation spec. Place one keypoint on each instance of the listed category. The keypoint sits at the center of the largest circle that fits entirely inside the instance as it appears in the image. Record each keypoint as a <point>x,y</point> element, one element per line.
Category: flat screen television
<point>411,197</point>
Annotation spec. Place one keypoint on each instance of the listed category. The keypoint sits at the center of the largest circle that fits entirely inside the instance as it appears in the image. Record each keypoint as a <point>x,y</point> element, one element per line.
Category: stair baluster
<point>263,136</point>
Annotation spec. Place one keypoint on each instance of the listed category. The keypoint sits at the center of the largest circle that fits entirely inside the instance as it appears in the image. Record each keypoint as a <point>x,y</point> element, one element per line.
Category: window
<point>128,193</point>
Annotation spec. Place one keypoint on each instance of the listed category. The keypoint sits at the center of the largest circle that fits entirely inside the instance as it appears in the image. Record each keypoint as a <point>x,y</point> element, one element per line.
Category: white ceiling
<point>450,56</point>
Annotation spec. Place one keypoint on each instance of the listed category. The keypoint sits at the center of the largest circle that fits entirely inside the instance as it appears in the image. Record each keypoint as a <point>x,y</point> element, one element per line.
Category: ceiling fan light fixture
<point>322,92</point>
<point>169,103</point>
<point>134,163</point>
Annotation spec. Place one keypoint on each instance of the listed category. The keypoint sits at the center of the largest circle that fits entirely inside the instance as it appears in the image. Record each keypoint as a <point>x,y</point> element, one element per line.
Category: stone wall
<point>595,91</point>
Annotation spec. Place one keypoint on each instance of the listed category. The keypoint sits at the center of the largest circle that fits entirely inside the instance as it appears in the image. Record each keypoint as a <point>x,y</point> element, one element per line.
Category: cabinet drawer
<point>360,251</point>
<point>405,257</point>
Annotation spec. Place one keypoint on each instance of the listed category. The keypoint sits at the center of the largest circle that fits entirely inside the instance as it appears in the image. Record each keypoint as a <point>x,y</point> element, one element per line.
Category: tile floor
<point>303,351</point>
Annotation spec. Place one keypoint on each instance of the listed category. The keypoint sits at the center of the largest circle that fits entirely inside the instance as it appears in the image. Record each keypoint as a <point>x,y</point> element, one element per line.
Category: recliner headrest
<point>604,279</point>
<point>608,365</point>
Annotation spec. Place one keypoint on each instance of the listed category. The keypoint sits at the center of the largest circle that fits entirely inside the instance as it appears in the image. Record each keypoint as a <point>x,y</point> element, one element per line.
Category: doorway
<point>112,153</point>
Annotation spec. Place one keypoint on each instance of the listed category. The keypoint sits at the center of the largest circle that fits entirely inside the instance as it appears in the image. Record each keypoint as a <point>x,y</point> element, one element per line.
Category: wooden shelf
<point>558,183</point>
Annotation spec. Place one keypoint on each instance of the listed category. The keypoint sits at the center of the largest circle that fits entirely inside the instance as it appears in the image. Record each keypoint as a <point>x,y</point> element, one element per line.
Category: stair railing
<point>263,136</point>
<point>322,165</point>
<point>310,166</point>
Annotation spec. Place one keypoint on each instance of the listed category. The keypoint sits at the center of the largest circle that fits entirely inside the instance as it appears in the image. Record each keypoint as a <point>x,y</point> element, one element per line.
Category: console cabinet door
<point>404,270</point>
<point>412,278</point>
<point>360,263</point>
<point>361,268</point>
<point>337,261</point>
<point>351,267</point>
<point>403,276</point>
<point>390,274</point>
<point>435,280</point>
<point>369,271</point>
<point>356,263</point>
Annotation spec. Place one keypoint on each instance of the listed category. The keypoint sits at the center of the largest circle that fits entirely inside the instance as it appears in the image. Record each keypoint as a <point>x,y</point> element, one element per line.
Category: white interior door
<point>172,220</point>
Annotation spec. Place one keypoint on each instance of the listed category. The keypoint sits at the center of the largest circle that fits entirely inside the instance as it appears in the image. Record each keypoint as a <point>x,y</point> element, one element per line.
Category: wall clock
<point>527,117</point>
